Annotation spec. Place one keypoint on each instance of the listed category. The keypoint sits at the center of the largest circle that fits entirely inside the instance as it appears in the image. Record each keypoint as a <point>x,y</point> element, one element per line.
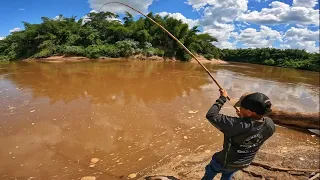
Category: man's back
<point>243,135</point>
<point>240,148</point>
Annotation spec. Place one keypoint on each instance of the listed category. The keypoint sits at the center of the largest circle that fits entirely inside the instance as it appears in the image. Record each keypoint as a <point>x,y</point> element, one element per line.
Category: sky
<point>235,23</point>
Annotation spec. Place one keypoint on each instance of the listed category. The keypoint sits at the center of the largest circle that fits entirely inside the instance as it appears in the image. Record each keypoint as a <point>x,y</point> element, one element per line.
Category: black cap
<point>257,102</point>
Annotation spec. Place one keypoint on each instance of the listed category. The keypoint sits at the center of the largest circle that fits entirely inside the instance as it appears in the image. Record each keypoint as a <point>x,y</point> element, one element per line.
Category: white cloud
<point>198,4</point>
<point>241,25</point>
<point>56,18</point>
<point>252,38</point>
<point>21,9</point>
<point>305,3</point>
<point>301,38</point>
<point>261,1</point>
<point>1,38</point>
<point>15,30</point>
<point>179,16</point>
<point>222,32</point>
<point>218,18</point>
<point>141,5</point>
<point>86,19</point>
<point>225,44</point>
<point>281,13</point>
<point>302,34</point>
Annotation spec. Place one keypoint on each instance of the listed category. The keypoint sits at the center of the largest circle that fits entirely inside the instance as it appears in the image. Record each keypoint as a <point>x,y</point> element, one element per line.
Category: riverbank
<point>278,152</point>
<point>60,59</point>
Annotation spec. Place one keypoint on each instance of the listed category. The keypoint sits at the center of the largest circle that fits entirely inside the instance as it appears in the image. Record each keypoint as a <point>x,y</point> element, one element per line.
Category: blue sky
<point>235,23</point>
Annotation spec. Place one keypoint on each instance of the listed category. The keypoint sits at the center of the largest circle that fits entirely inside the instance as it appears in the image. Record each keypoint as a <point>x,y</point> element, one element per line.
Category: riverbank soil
<point>60,59</point>
<point>277,152</point>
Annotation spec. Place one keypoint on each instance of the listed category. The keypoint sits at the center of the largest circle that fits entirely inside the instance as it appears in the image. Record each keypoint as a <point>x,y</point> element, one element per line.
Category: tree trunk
<point>297,119</point>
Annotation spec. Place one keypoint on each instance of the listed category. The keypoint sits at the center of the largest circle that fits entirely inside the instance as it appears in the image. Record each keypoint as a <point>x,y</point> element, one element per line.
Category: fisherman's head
<point>253,105</point>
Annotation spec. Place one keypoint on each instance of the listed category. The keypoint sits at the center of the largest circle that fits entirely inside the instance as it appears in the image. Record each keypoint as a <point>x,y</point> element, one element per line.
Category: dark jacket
<point>242,136</point>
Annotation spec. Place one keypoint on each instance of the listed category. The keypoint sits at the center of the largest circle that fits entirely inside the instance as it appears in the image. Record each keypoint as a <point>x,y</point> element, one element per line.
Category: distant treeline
<point>104,35</point>
<point>290,58</point>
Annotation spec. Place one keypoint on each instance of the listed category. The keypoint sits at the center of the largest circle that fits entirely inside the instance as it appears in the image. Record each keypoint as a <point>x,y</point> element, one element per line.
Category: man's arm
<point>220,121</point>
<point>226,124</point>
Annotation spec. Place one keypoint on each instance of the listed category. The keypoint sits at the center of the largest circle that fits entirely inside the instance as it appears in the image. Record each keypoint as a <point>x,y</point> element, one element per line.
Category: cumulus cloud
<point>282,13</point>
<point>218,18</point>
<point>261,0</point>
<point>1,38</point>
<point>222,32</point>
<point>252,38</point>
<point>198,4</point>
<point>141,5</point>
<point>15,30</point>
<point>302,34</point>
<point>181,17</point>
<point>86,18</point>
<point>305,3</point>
<point>301,38</point>
<point>58,18</point>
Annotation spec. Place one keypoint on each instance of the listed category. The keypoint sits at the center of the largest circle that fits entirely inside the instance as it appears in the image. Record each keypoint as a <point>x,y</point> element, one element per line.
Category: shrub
<point>44,53</point>
<point>208,56</point>
<point>109,51</point>
<point>96,51</point>
<point>269,62</point>
<point>159,52</point>
<point>153,52</point>
<point>127,47</point>
<point>71,50</point>
<point>4,58</point>
<point>93,51</point>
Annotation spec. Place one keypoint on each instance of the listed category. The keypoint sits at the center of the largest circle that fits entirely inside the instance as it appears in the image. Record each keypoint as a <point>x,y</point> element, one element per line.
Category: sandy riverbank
<point>60,59</point>
<point>277,152</point>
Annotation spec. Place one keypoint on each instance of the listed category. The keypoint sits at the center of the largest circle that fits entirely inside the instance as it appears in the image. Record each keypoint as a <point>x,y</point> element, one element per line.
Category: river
<point>131,115</point>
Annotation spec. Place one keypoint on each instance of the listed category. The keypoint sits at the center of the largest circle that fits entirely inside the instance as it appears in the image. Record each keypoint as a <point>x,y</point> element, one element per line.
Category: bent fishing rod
<point>176,39</point>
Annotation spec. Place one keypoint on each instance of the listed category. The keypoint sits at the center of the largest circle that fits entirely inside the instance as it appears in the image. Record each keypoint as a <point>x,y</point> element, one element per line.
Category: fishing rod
<point>178,41</point>
<point>311,120</point>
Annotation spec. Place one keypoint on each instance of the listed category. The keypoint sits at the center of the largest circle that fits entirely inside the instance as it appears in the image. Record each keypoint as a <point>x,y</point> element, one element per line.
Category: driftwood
<point>315,177</point>
<point>297,119</point>
<point>283,169</point>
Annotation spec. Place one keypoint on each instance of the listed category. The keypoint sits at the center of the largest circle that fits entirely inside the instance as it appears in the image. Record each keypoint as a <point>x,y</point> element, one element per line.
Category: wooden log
<point>315,177</point>
<point>281,168</point>
<point>297,119</point>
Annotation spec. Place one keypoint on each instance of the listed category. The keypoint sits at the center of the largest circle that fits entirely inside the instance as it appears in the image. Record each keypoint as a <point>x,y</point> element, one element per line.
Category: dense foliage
<point>102,34</point>
<point>291,58</point>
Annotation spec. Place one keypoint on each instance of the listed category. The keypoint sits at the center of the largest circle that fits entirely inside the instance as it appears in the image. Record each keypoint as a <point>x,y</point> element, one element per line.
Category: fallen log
<point>315,177</point>
<point>297,119</point>
<point>281,168</point>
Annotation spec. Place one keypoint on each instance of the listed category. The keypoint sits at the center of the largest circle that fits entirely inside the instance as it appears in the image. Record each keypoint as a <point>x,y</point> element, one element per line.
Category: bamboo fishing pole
<point>178,41</point>
<point>281,116</point>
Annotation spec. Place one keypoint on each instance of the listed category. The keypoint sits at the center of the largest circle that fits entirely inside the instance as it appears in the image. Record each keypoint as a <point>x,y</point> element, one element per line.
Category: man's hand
<point>223,93</point>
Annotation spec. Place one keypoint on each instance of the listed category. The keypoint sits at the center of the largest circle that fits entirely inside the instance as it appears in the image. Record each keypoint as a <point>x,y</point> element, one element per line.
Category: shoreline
<point>276,153</point>
<point>61,59</point>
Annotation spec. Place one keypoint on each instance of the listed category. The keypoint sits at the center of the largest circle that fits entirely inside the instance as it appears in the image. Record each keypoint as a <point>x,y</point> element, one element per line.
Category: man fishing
<point>243,135</point>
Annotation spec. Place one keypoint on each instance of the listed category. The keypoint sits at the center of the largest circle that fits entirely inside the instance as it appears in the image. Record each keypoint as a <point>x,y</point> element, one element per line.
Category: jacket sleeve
<point>228,125</point>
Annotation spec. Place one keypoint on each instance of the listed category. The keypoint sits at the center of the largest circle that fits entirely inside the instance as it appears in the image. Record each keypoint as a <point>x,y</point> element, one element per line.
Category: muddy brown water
<point>132,115</point>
